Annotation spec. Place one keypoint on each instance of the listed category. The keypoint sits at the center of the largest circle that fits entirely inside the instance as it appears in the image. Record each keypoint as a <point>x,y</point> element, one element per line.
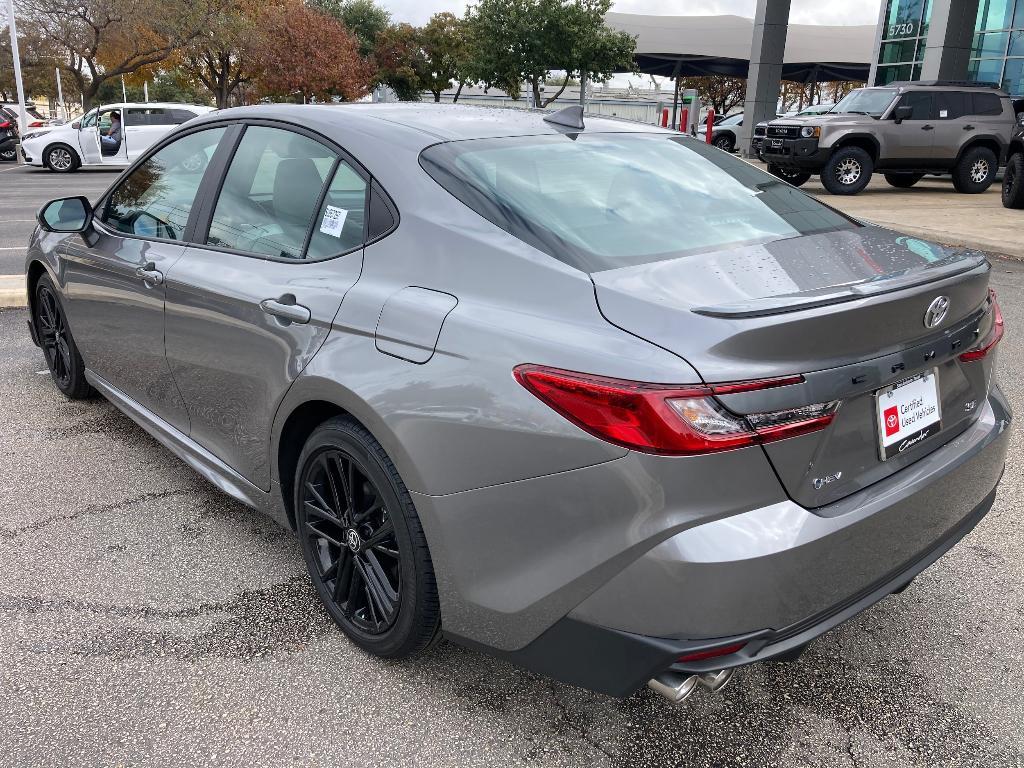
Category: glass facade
<point>997,54</point>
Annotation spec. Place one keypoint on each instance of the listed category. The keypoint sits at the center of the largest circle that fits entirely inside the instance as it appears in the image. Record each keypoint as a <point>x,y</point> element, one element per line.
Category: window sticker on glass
<point>943,113</point>
<point>333,221</point>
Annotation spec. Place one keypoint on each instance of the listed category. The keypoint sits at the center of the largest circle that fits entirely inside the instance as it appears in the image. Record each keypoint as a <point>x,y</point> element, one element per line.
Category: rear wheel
<point>60,158</point>
<point>976,171</point>
<point>848,171</point>
<point>1013,182</point>
<point>62,357</point>
<point>790,175</point>
<point>724,142</point>
<point>903,180</point>
<point>363,542</point>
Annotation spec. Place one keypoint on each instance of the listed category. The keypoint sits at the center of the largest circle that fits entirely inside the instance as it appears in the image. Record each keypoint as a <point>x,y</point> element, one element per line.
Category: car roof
<point>153,105</point>
<point>432,121</point>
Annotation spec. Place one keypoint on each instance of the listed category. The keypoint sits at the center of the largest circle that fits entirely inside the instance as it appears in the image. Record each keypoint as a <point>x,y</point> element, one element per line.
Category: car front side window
<point>156,198</point>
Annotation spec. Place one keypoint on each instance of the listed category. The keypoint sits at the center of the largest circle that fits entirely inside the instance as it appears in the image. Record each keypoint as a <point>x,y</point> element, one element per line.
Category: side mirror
<point>68,214</point>
<point>77,125</point>
<point>903,112</point>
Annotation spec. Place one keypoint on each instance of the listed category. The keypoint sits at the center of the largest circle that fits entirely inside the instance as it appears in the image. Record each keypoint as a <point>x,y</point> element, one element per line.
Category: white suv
<point>66,148</point>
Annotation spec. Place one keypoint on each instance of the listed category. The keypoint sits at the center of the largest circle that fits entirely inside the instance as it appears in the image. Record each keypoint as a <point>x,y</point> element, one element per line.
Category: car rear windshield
<point>606,200</point>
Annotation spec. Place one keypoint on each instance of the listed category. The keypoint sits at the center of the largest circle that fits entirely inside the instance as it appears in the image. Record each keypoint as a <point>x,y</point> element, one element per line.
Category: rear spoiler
<point>795,302</point>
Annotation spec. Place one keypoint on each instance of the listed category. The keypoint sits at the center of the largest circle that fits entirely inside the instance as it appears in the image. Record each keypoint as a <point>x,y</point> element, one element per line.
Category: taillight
<point>667,420</point>
<point>36,124</point>
<point>994,336</point>
<point>5,124</point>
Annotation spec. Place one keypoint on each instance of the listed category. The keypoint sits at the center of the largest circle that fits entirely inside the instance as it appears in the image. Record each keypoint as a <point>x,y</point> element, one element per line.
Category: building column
<point>771,22</point>
<point>947,51</point>
<point>883,13</point>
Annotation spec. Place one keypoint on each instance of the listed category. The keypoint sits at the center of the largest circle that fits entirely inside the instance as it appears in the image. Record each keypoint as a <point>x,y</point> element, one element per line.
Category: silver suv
<point>905,130</point>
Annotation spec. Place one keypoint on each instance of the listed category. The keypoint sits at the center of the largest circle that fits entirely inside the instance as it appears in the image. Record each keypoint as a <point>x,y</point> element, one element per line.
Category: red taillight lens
<point>711,653</point>
<point>661,419</point>
<point>5,124</point>
<point>36,124</point>
<point>994,336</point>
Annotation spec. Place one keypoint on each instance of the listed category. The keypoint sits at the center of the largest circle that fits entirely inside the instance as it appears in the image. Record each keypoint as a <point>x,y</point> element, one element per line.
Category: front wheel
<point>848,171</point>
<point>62,357</point>
<point>790,175</point>
<point>723,142</point>
<point>60,158</point>
<point>976,171</point>
<point>903,180</point>
<point>363,542</point>
<point>1013,182</point>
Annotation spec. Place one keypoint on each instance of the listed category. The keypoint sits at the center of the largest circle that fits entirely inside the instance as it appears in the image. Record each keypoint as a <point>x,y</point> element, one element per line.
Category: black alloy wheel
<point>62,358</point>
<point>363,543</point>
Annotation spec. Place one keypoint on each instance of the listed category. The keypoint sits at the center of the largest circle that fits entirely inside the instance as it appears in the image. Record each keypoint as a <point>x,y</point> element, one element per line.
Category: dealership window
<point>1013,76</point>
<point>903,38</point>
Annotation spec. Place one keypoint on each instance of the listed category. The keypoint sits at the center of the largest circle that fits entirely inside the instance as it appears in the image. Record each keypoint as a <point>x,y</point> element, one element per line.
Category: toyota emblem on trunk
<point>936,311</point>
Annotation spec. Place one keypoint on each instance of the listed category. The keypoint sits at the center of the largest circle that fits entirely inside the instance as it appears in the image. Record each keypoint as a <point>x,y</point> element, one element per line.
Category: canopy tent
<point>689,46</point>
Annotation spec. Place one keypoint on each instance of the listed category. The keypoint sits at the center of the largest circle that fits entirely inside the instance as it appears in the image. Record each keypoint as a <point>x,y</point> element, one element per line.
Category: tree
<point>304,52</point>
<point>517,41</point>
<point>98,40</point>
<point>38,62</point>
<point>445,46</point>
<point>401,62</point>
<point>721,92</point>
<point>223,56</point>
<point>363,18</point>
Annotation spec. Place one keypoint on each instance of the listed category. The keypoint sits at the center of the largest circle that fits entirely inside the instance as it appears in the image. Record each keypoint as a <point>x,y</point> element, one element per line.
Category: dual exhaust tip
<point>678,687</point>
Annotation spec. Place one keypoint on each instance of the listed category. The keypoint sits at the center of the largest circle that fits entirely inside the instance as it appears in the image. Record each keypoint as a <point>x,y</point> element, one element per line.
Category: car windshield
<point>732,120</point>
<point>866,101</point>
<point>603,201</point>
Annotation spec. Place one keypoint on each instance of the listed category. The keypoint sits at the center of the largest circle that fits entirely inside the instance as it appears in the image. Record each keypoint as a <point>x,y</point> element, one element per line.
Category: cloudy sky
<point>803,11</point>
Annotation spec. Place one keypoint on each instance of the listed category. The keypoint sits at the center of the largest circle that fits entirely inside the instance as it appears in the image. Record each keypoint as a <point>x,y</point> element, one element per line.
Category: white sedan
<point>66,148</point>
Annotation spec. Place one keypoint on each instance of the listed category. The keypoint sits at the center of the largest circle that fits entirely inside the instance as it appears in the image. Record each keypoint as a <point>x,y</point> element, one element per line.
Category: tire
<point>790,175</point>
<point>848,171</point>
<point>975,171</point>
<point>394,611</point>
<point>62,357</point>
<point>903,180</point>
<point>725,142</point>
<point>60,158</point>
<point>1013,181</point>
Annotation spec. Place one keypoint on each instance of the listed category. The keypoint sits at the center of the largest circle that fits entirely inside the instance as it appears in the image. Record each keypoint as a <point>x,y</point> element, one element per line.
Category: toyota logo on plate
<point>891,421</point>
<point>936,311</point>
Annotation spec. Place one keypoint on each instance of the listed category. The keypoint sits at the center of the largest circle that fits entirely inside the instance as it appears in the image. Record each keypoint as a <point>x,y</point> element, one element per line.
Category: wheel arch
<point>865,141</point>
<point>988,142</point>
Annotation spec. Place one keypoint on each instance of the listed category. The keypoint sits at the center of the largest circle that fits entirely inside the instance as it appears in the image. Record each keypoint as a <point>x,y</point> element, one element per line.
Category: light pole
<point>12,26</point>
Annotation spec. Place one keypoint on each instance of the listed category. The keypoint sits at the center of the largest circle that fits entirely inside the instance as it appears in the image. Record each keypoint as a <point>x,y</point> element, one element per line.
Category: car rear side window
<point>270,193</point>
<point>601,201</point>
<point>155,199</point>
<point>952,105</point>
<point>340,222</point>
<point>986,104</point>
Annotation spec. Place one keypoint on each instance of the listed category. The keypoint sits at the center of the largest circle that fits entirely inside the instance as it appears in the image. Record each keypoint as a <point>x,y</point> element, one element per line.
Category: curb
<point>12,291</point>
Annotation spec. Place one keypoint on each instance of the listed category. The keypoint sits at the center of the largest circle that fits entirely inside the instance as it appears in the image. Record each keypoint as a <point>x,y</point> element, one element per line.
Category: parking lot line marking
<point>13,248</point>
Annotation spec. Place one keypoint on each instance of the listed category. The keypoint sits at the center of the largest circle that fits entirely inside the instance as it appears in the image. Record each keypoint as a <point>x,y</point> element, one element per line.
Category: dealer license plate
<point>909,412</point>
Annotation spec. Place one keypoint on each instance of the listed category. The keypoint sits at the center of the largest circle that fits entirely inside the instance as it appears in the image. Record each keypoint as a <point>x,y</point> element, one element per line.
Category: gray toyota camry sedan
<point>585,394</point>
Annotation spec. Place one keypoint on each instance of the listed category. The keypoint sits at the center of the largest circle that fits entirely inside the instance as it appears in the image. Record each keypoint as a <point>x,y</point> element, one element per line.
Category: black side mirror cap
<point>902,113</point>
<point>67,215</point>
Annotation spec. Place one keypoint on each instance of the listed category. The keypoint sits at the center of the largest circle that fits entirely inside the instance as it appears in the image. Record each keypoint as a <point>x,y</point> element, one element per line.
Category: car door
<point>143,127</point>
<point>114,287</point>
<point>951,126</point>
<point>911,141</point>
<point>89,139</point>
<point>248,309</point>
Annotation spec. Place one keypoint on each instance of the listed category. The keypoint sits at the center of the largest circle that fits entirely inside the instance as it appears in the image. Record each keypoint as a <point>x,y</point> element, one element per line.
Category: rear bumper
<point>775,577</point>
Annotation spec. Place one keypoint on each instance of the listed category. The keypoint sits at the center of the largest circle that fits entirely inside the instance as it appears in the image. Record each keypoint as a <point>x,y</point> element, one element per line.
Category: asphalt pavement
<point>148,620</point>
<point>23,190</point>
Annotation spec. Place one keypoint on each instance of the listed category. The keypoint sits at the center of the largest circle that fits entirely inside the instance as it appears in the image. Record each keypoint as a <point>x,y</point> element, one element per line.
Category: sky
<point>801,12</point>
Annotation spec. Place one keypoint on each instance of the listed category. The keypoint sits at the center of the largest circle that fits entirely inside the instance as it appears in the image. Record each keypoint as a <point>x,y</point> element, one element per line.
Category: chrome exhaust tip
<point>673,686</point>
<point>677,687</point>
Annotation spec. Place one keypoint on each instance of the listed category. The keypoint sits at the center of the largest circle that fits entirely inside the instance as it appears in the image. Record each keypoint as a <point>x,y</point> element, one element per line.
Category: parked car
<point>1013,176</point>
<point>905,130</point>
<point>8,140</point>
<point>9,111</point>
<point>596,398</point>
<point>67,148</point>
<point>723,134</point>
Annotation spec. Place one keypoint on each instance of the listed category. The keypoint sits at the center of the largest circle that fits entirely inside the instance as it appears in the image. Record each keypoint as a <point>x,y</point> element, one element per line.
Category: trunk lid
<point>844,309</point>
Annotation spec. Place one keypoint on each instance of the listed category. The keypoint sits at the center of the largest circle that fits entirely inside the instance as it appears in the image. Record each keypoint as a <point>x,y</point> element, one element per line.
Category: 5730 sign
<point>902,30</point>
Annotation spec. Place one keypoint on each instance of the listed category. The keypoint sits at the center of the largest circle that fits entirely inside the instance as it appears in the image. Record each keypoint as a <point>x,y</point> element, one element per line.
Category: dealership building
<point>979,40</point>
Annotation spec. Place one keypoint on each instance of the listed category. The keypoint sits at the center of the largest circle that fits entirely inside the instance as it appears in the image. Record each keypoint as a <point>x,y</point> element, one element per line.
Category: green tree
<point>223,56</point>
<point>363,18</point>
<point>401,62</point>
<point>521,41</point>
<point>445,54</point>
<point>38,62</point>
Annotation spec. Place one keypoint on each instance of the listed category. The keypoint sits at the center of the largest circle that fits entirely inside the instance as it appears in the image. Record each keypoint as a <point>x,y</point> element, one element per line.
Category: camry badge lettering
<point>936,311</point>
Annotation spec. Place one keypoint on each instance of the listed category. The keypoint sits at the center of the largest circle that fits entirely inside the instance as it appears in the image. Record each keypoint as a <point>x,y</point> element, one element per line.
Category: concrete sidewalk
<point>12,291</point>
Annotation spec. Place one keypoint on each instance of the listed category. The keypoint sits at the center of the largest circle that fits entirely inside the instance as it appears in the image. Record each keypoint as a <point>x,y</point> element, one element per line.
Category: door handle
<point>286,309</point>
<point>150,275</point>
<point>927,127</point>
<point>968,127</point>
